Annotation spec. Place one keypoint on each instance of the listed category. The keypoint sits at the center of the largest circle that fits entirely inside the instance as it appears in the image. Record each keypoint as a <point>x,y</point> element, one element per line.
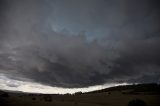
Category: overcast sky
<point>80,43</point>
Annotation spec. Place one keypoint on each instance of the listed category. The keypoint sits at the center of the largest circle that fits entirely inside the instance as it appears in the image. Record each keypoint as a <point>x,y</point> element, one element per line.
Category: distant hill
<point>151,87</point>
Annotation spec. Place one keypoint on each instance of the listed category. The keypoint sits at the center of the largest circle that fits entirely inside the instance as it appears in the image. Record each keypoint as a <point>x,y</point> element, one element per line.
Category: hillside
<point>129,95</point>
<point>139,88</point>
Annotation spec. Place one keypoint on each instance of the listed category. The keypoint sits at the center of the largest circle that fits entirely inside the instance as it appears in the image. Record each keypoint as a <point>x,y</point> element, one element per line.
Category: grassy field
<point>114,97</point>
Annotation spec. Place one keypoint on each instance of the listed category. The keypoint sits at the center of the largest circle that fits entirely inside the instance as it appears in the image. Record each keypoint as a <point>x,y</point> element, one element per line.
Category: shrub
<point>137,102</point>
<point>5,95</point>
<point>33,98</point>
<point>48,98</point>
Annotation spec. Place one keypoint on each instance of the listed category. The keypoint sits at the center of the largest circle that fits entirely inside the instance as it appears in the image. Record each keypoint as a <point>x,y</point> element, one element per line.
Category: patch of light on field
<point>32,87</point>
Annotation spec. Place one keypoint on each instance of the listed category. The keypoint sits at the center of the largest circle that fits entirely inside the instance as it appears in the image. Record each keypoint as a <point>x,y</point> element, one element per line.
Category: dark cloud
<point>125,50</point>
<point>140,58</point>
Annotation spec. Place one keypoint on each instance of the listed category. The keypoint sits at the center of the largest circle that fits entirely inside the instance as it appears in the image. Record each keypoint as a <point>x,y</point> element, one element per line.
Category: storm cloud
<point>80,43</point>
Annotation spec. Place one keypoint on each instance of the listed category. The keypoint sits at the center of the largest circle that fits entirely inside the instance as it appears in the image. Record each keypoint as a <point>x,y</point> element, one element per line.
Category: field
<point>116,96</point>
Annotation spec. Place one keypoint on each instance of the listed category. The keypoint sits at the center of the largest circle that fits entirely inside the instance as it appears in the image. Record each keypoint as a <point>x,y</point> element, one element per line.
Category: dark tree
<point>137,102</point>
<point>78,93</point>
<point>2,103</point>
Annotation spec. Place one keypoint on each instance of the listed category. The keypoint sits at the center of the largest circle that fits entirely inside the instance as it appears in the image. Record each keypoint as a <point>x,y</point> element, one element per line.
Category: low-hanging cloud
<point>31,50</point>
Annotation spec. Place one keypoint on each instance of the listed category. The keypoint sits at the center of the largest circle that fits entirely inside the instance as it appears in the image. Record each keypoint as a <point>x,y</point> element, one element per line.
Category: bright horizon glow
<point>32,87</point>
